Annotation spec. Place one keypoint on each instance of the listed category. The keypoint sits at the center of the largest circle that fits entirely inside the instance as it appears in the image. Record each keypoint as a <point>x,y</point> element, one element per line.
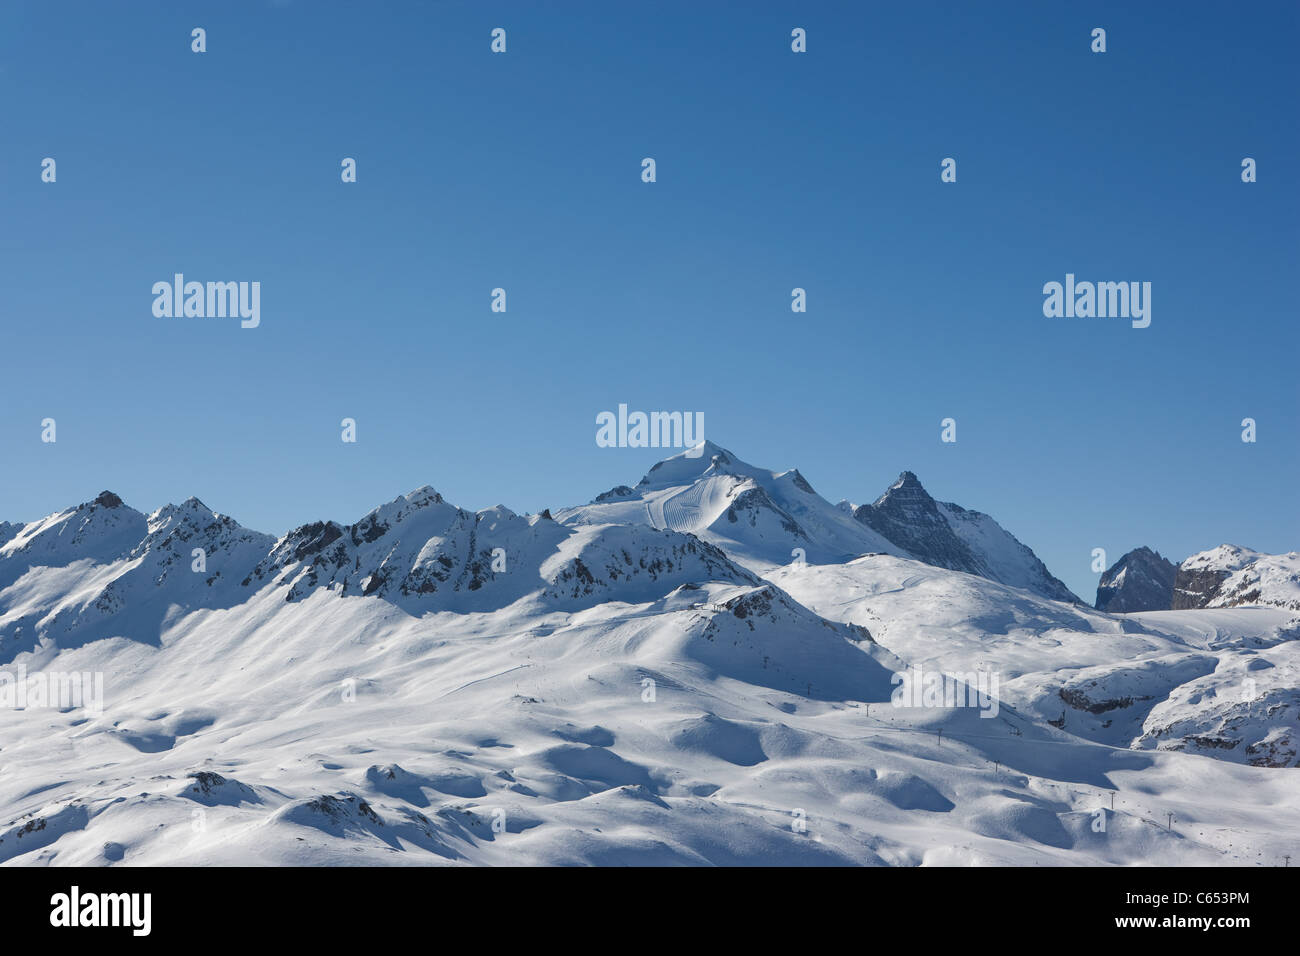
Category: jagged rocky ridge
<point>104,569</point>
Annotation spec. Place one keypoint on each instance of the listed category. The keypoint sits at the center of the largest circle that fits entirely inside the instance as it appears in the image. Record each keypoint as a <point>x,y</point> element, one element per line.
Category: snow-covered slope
<point>1223,683</point>
<point>433,685</point>
<point>719,724</point>
<point>103,569</point>
<point>1229,576</point>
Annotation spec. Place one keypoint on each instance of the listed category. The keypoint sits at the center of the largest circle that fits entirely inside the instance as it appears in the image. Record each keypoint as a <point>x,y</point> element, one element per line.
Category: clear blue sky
<point>775,170</point>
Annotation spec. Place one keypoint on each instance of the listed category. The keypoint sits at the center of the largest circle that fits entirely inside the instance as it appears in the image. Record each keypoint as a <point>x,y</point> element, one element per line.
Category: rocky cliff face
<point>1139,581</point>
<point>910,518</point>
<point>950,536</point>
<point>1196,587</point>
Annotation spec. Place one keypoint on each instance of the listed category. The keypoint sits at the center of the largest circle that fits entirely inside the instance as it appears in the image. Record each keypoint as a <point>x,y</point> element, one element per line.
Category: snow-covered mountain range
<point>701,668</point>
<point>1226,576</point>
<point>766,519</point>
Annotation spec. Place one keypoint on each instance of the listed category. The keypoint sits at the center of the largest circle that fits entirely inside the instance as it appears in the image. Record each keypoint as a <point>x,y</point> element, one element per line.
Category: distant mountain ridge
<point>740,523</point>
<point>765,519</point>
<point>104,568</point>
<point>1225,576</point>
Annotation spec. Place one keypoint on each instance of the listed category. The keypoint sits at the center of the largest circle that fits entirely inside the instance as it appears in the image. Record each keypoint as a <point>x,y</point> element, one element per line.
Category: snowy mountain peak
<point>760,518</point>
<point>1230,575</point>
<point>426,494</point>
<point>704,459</point>
<point>421,497</point>
<point>1226,557</point>
<point>423,505</point>
<point>193,518</point>
<point>496,513</point>
<point>191,508</point>
<point>102,529</point>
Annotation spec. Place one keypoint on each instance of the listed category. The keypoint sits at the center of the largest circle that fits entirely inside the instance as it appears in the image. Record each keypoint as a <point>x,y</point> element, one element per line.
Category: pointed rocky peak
<point>906,488</point>
<point>1146,555</point>
<point>1141,580</point>
<point>106,499</point>
<point>952,537</point>
<point>904,500</point>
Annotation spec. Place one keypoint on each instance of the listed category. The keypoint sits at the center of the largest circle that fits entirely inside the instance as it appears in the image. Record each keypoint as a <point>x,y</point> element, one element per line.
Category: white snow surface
<point>430,685</point>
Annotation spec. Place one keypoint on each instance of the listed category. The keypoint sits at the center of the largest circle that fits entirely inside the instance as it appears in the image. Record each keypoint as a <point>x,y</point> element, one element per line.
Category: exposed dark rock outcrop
<point>1139,581</point>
